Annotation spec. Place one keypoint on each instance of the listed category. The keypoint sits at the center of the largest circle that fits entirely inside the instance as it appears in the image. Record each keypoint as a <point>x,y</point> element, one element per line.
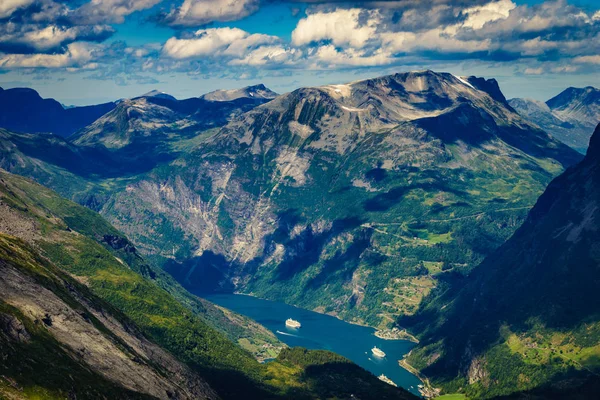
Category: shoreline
<point>383,334</point>
<point>427,391</point>
<point>395,334</point>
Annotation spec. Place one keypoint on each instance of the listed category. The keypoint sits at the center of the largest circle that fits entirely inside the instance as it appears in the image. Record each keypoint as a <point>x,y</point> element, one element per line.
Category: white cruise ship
<point>292,323</point>
<point>378,352</point>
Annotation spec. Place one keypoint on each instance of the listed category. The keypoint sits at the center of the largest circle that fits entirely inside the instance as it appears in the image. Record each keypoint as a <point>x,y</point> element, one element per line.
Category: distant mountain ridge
<point>570,116</point>
<point>155,116</point>
<point>259,91</point>
<point>23,110</point>
<point>528,317</point>
<point>362,189</point>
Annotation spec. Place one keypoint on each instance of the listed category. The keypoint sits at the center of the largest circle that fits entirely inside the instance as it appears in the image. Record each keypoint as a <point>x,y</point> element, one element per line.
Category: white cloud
<point>447,39</point>
<point>233,42</point>
<point>534,71</point>
<point>49,37</point>
<point>200,12</point>
<point>267,55</point>
<point>241,46</point>
<point>342,27</point>
<point>443,40</point>
<point>565,69</point>
<point>7,7</point>
<point>595,59</point>
<point>328,56</point>
<point>346,37</point>
<point>110,11</point>
<point>77,54</point>
<point>355,29</point>
<point>478,16</point>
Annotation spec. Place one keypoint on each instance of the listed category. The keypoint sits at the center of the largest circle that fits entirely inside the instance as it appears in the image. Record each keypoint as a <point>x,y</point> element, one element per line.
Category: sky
<point>89,51</point>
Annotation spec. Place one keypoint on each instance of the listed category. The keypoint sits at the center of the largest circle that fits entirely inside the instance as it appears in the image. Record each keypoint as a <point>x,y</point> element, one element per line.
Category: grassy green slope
<point>80,242</point>
<point>27,349</point>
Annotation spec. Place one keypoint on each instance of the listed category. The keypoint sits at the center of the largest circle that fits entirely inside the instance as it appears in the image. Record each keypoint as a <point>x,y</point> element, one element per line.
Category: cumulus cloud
<point>110,11</point>
<point>76,55</point>
<point>352,27</point>
<point>50,34</point>
<point>267,55</point>
<point>329,56</point>
<point>7,7</point>
<point>553,36</point>
<point>496,30</point>
<point>233,42</point>
<point>595,59</point>
<point>202,12</point>
<point>478,16</point>
<point>534,71</point>
<point>32,38</point>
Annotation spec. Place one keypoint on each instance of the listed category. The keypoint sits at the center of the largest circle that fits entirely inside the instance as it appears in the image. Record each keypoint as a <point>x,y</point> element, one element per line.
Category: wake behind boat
<point>292,323</point>
<point>378,352</point>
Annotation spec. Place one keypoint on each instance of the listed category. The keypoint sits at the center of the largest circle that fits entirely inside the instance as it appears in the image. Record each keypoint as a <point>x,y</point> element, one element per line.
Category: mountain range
<point>157,117</point>
<point>345,198</point>
<point>316,197</point>
<point>399,201</point>
<point>570,116</point>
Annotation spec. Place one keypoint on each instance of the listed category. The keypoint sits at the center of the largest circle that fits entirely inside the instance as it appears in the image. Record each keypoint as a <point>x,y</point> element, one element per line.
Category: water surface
<point>324,332</point>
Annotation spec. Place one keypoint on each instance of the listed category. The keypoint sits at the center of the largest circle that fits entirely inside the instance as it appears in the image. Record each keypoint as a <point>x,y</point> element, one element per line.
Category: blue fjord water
<point>325,332</point>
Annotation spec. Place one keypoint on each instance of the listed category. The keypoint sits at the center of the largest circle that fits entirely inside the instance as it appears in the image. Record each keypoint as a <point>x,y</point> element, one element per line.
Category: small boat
<point>292,323</point>
<point>378,352</point>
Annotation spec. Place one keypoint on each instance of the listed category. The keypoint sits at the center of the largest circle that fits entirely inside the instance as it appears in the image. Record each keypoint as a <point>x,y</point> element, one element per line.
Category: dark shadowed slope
<point>23,110</point>
<point>529,315</point>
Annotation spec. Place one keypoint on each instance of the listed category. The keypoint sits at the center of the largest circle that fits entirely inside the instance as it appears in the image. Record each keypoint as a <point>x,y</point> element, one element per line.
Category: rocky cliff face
<point>570,116</point>
<point>46,311</point>
<point>349,198</point>
<point>531,308</point>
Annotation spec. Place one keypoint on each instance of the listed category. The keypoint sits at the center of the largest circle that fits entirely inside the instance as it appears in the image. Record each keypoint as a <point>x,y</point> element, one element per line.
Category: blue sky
<point>83,52</point>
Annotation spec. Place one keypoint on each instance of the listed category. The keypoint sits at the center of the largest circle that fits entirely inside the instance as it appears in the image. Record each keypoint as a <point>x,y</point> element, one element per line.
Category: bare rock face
<point>91,335</point>
<point>477,372</point>
<point>13,329</point>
